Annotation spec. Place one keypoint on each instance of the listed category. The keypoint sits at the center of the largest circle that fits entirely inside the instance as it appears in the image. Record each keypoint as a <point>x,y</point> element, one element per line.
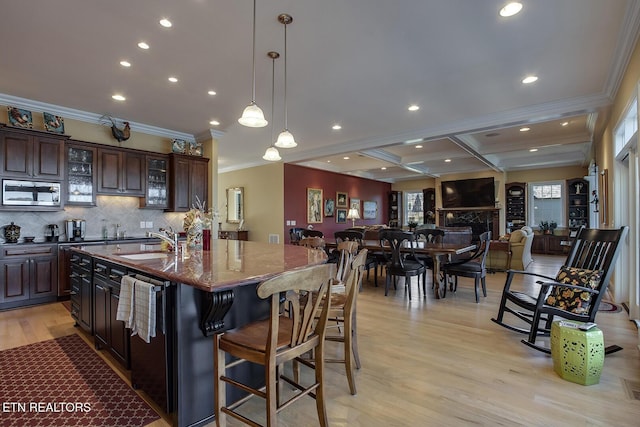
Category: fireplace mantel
<point>480,219</point>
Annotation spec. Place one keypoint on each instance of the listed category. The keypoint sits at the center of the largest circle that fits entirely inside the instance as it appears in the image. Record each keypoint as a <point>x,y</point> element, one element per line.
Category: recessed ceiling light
<point>418,146</point>
<point>529,79</point>
<point>564,124</point>
<point>173,79</point>
<point>384,168</point>
<point>413,107</point>
<point>143,45</point>
<point>511,9</point>
<point>166,23</point>
<point>118,97</point>
<point>345,158</point>
<point>525,129</point>
<point>533,150</point>
<point>125,63</point>
<point>214,123</point>
<point>447,160</point>
<point>336,127</point>
<point>211,92</point>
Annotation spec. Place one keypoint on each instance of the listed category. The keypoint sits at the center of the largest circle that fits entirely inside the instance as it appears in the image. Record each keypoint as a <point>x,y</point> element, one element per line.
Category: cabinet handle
<point>73,293</point>
<point>98,270</point>
<point>72,275</point>
<point>114,277</point>
<point>102,288</point>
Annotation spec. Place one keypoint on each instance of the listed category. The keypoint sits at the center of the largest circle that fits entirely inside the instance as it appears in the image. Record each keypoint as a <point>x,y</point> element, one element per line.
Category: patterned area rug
<point>608,307</point>
<point>63,382</point>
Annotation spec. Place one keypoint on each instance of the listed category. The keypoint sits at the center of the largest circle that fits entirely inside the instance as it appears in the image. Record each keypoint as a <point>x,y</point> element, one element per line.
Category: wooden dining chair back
<point>292,330</point>
<point>429,235</point>
<point>397,246</point>
<point>474,267</point>
<point>574,294</point>
<point>346,250</point>
<point>342,319</point>
<point>295,234</point>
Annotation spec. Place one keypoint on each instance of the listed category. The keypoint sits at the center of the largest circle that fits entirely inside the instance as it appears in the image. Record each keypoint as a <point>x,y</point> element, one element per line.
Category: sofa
<point>518,254</point>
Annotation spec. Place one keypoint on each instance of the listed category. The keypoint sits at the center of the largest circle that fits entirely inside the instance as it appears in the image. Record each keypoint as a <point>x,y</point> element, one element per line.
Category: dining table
<point>440,252</point>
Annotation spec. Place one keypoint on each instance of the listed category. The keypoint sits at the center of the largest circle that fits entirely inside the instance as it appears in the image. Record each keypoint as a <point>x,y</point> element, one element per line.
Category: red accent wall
<point>298,178</point>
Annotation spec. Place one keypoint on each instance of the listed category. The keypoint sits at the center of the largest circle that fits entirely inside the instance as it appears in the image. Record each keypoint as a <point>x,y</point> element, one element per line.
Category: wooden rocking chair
<point>574,294</point>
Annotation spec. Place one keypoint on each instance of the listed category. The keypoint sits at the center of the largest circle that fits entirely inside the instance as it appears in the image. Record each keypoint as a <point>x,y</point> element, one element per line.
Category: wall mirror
<point>235,204</point>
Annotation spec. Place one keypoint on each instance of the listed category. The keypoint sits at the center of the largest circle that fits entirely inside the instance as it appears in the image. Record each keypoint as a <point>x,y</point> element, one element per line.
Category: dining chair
<point>312,242</point>
<point>341,324</point>
<point>429,235</point>
<point>474,266</point>
<point>346,250</point>
<point>311,233</point>
<point>401,261</point>
<point>289,333</point>
<point>295,234</point>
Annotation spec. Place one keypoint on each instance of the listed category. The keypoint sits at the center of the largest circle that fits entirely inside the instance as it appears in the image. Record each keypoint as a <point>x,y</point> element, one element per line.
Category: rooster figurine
<point>119,134</point>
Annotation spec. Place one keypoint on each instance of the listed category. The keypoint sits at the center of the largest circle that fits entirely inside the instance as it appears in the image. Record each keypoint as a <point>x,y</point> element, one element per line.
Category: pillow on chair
<point>574,300</point>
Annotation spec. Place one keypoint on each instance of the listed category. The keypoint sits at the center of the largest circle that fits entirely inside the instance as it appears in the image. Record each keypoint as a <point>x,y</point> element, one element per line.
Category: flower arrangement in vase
<point>196,221</point>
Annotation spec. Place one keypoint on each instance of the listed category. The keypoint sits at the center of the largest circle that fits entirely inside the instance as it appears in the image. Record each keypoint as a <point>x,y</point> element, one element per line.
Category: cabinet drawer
<point>26,250</point>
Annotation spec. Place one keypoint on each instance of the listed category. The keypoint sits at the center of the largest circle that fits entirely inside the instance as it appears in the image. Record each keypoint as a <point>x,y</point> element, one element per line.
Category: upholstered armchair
<point>516,255</point>
<point>520,242</point>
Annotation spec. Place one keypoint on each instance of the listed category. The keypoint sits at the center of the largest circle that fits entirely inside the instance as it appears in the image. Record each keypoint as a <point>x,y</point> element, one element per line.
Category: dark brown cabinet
<point>189,179</point>
<point>549,244</point>
<point>578,203</point>
<point>233,234</point>
<point>29,154</point>
<point>81,290</point>
<point>110,333</point>
<point>28,275</point>
<point>515,205</point>
<point>157,175</point>
<point>395,208</point>
<point>121,172</point>
<point>81,177</point>
<point>429,205</point>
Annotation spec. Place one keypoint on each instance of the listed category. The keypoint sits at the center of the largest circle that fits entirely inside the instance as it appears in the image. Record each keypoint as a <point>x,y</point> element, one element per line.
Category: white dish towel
<point>144,323</point>
<point>125,303</point>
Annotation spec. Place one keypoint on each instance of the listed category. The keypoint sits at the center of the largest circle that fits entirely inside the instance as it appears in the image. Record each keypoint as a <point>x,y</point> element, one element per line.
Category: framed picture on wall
<point>370,210</point>
<point>354,204</point>
<point>329,207</point>
<point>314,205</point>
<point>341,216</point>
<point>341,199</point>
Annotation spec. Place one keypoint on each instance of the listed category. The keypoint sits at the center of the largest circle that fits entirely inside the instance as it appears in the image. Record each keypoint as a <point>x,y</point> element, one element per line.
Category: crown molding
<point>87,117</point>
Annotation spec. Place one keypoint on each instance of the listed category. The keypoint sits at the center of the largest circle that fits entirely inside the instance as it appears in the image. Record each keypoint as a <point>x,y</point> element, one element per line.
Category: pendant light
<point>285,139</point>
<point>272,153</point>
<point>252,116</point>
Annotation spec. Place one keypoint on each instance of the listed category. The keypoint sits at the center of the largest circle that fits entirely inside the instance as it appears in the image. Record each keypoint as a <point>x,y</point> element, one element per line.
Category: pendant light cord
<point>286,126</point>
<point>253,90</point>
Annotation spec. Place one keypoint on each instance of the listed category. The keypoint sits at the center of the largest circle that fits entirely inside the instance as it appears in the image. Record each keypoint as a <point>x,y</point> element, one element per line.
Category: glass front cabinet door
<point>81,179</point>
<point>157,182</point>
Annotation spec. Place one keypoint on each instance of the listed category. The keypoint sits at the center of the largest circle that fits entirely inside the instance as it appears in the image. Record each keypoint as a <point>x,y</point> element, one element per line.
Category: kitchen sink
<point>145,255</point>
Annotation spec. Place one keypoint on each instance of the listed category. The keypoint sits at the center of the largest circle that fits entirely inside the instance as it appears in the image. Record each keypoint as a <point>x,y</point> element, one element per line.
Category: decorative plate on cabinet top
<point>515,192</point>
<point>179,146</point>
<point>53,123</point>
<point>19,117</point>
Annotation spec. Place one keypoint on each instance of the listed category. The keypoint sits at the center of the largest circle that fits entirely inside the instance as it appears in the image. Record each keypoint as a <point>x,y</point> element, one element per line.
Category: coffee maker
<point>51,234</point>
<point>75,229</point>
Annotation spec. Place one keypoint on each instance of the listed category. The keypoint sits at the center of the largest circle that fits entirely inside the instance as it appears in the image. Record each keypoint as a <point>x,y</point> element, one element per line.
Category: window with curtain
<point>413,202</point>
<point>546,203</point>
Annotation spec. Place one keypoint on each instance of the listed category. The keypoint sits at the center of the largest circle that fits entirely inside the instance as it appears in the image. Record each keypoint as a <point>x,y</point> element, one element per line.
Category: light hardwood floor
<point>436,362</point>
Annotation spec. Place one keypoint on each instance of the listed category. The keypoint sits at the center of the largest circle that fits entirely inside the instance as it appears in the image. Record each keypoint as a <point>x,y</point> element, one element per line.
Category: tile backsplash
<point>110,210</point>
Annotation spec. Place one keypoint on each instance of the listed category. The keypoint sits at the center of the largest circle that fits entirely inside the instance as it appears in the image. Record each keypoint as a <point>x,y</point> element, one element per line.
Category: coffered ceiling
<point>356,63</point>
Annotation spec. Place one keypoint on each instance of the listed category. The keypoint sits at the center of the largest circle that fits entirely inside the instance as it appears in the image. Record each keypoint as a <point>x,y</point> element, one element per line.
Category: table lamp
<point>353,214</point>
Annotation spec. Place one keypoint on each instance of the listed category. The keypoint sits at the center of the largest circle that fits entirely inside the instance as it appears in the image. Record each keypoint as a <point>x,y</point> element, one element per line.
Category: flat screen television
<point>468,193</point>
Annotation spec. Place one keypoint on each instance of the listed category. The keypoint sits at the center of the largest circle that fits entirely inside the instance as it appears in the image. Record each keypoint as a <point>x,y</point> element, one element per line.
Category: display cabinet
<point>515,205</point>
<point>578,203</point>
<point>395,208</point>
<point>157,183</point>
<point>429,205</point>
<point>81,179</point>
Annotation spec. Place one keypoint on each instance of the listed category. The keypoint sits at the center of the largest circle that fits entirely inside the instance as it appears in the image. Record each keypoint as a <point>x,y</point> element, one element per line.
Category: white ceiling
<point>359,63</point>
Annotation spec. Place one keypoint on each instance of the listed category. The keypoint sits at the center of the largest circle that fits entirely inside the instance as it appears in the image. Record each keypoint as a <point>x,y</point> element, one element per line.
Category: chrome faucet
<point>168,236</point>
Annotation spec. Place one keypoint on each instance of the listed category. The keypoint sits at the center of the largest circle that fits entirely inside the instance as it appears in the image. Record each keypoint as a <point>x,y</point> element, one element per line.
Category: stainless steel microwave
<point>30,193</point>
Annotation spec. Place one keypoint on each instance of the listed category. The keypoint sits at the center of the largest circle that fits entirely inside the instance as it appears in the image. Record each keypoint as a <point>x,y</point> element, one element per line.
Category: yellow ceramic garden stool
<point>578,355</point>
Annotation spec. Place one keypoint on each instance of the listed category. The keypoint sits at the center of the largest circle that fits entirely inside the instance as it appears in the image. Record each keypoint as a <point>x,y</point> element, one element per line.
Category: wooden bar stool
<point>288,333</point>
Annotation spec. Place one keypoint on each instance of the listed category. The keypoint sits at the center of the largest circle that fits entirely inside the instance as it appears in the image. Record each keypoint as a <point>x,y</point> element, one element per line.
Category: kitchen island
<point>203,292</point>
